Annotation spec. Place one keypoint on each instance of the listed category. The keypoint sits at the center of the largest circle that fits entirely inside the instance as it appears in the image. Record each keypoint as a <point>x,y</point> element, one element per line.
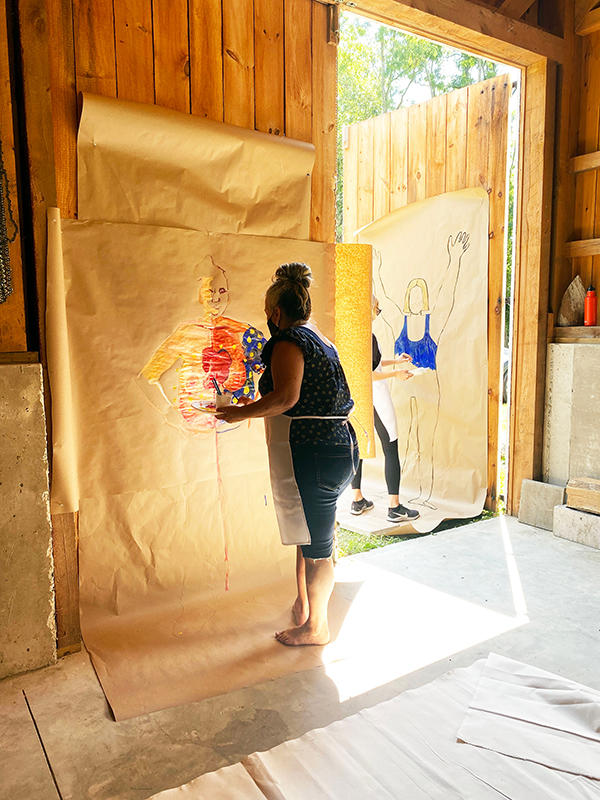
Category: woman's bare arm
<point>287,369</point>
<point>390,362</point>
<point>402,374</point>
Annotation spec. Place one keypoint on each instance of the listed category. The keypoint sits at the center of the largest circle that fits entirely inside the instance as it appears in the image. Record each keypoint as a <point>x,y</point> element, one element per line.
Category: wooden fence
<point>454,141</point>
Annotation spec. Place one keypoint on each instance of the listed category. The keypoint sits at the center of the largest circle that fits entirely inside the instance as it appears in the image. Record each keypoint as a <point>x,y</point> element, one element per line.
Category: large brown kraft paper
<point>183,578</point>
<point>142,163</point>
<point>441,414</point>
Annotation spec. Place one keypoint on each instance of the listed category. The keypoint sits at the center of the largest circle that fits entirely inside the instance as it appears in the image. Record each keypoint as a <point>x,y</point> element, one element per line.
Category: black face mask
<point>273,329</point>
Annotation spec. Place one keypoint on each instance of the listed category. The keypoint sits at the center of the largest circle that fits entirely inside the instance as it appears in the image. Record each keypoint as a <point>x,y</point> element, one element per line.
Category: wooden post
<point>531,280</point>
<point>13,336</point>
<point>324,92</point>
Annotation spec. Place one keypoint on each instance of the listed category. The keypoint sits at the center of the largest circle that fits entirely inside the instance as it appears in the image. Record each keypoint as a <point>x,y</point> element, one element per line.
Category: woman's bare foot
<point>300,611</point>
<point>303,635</point>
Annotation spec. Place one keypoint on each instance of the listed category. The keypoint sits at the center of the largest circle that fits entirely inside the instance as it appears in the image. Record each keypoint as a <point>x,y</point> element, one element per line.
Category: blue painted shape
<point>423,352</point>
<point>253,343</point>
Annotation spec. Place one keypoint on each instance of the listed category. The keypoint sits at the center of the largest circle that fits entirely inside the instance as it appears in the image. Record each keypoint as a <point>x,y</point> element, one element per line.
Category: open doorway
<point>388,79</point>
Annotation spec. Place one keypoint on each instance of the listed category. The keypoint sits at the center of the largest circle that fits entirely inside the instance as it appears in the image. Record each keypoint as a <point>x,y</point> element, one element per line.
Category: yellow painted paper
<point>353,335</point>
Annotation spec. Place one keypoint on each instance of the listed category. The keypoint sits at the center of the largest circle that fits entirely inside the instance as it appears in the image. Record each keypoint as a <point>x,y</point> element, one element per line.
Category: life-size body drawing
<point>422,329</point>
<point>387,431</point>
<point>213,349</point>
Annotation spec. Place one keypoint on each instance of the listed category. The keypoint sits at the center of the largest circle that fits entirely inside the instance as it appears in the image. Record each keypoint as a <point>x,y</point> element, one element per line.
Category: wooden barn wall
<point>455,141</point>
<point>259,64</point>
<point>586,216</point>
<point>13,336</point>
<point>262,64</point>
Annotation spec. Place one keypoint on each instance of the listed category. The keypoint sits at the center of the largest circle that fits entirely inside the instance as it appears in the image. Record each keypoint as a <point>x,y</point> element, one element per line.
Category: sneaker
<point>402,514</point>
<point>360,506</point>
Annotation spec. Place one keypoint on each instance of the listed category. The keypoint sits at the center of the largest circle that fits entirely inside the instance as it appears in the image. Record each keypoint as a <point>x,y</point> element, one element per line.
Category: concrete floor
<point>546,589</point>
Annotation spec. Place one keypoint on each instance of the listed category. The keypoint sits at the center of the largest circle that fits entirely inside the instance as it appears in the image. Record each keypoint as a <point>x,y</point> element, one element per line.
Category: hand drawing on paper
<point>211,348</point>
<point>422,329</point>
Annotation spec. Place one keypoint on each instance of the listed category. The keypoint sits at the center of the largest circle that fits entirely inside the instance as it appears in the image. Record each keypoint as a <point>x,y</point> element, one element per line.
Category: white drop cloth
<point>527,713</point>
<point>407,749</point>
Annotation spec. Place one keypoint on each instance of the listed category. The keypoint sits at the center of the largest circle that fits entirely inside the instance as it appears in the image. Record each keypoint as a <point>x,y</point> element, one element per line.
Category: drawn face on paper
<point>415,300</point>
<point>214,293</point>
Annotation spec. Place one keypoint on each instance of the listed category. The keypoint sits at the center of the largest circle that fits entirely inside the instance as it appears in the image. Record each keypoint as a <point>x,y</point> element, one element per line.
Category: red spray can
<point>590,308</point>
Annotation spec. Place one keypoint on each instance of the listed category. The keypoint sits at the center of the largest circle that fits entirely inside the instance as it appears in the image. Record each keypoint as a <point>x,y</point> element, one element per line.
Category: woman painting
<point>387,431</point>
<point>313,452</point>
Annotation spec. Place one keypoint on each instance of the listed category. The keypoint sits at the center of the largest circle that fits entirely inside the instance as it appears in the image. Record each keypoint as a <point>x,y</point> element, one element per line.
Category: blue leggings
<point>322,473</point>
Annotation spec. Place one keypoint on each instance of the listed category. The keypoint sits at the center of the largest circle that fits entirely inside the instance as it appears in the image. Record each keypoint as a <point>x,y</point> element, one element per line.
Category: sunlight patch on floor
<point>396,626</point>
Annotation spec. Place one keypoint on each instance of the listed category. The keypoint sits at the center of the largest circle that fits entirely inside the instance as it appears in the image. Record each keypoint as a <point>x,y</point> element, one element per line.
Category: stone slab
<point>537,503</point>
<point>24,773</point>
<point>571,432</point>
<point>557,417</point>
<point>577,526</point>
<point>584,457</point>
<point>27,622</point>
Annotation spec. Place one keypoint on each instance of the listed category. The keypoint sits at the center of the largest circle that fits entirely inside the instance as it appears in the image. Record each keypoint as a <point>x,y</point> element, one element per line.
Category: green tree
<point>381,69</point>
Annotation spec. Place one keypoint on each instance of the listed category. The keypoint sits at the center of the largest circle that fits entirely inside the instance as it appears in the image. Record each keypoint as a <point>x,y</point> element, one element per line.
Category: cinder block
<point>537,503</point>
<point>577,526</point>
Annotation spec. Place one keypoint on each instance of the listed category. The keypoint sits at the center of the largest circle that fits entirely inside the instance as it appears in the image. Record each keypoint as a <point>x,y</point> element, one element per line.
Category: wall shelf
<point>585,162</point>
<point>578,334</point>
<point>582,248</point>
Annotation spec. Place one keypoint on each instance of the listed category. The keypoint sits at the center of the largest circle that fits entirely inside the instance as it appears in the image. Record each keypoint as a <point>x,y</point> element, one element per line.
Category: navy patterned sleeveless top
<point>324,391</point>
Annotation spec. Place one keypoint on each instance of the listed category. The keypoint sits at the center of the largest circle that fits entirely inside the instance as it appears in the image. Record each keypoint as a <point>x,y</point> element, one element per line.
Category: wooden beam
<point>134,50</point>
<point>64,103</point>
<point>590,23</point>
<point>13,334</point>
<point>582,248</point>
<point>298,69</point>
<point>94,36</point>
<point>568,102</point>
<point>515,8</point>
<point>585,162</point>
<point>238,62</point>
<point>324,71</point>
<point>531,281</point>
<point>39,136</point>
<point>470,26</point>
<point>269,70</point>
<point>171,54</point>
<point>206,58</point>
<point>65,534</point>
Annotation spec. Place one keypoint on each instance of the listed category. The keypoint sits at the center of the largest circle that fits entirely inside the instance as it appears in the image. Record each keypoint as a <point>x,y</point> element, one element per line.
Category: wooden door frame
<point>465,28</point>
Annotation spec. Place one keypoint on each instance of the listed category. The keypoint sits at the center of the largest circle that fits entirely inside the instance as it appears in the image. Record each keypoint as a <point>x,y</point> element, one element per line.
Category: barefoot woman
<point>312,447</point>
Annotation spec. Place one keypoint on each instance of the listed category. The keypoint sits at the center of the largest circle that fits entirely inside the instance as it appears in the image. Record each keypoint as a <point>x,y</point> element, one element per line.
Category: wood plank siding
<point>261,64</point>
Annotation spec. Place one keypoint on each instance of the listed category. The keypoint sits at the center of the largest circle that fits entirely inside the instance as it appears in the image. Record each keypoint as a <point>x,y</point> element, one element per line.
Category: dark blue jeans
<point>322,473</point>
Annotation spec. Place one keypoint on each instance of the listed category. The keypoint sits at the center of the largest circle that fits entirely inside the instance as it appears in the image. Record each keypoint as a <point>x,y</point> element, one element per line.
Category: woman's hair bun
<point>295,272</point>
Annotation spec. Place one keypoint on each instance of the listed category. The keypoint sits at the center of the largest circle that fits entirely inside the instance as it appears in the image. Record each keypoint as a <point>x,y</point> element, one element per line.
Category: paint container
<point>590,309</point>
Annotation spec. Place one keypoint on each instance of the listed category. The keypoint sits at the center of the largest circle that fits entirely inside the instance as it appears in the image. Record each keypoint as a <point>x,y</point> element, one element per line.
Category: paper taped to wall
<point>142,163</point>
<point>430,277</point>
<point>181,563</point>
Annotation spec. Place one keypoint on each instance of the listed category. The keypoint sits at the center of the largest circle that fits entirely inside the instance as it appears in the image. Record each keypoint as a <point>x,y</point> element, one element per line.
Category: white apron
<point>293,527</point>
<point>382,400</point>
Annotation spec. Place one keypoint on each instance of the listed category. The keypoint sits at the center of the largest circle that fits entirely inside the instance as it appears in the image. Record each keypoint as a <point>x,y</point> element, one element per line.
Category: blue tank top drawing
<point>423,352</point>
